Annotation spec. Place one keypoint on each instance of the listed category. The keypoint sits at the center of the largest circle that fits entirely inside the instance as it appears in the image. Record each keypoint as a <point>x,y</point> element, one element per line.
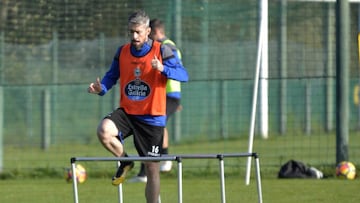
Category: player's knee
<point>104,133</point>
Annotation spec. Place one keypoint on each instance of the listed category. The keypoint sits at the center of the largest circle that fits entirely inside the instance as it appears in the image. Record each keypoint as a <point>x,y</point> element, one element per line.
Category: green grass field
<point>194,190</point>
<point>32,175</point>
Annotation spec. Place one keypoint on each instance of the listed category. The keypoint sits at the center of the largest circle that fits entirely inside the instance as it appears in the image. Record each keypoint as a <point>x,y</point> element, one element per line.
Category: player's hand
<point>95,87</point>
<point>156,64</point>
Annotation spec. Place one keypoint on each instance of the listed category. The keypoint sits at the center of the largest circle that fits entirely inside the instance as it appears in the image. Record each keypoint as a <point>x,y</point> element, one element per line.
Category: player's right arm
<point>110,78</point>
<point>95,87</point>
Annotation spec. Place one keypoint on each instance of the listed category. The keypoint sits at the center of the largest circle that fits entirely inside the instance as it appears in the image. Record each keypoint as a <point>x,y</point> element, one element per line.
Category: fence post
<point>283,67</point>
<point>2,44</point>
<point>342,80</point>
<point>2,57</point>
<point>46,120</point>
<point>308,107</point>
<point>1,127</point>
<point>224,110</point>
<point>329,64</point>
<point>55,81</point>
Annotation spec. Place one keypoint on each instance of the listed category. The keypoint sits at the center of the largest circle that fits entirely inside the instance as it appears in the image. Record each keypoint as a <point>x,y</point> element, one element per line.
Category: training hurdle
<point>179,159</point>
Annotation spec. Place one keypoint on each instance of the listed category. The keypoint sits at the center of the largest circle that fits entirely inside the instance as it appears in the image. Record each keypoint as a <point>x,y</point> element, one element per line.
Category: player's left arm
<point>173,68</point>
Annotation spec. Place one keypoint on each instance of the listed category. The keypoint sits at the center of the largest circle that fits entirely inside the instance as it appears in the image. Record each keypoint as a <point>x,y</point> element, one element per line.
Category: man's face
<point>153,34</point>
<point>138,34</point>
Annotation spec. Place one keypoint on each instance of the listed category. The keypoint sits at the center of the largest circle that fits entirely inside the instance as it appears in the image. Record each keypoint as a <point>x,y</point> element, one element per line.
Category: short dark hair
<point>157,23</point>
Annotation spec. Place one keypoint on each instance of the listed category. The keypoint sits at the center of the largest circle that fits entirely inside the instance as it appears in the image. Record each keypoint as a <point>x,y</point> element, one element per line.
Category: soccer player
<point>173,95</point>
<point>143,67</point>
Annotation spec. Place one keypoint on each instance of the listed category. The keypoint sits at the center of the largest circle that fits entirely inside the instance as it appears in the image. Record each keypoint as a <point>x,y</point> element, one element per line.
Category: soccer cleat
<point>138,179</point>
<point>121,172</point>
<point>165,166</point>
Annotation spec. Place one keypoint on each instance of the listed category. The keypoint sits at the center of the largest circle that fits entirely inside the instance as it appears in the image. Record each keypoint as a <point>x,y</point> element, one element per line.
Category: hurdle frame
<point>178,158</point>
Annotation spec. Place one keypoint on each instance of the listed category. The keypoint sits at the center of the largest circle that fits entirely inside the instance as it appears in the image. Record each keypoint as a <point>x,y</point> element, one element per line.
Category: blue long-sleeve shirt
<point>172,93</point>
<point>173,69</point>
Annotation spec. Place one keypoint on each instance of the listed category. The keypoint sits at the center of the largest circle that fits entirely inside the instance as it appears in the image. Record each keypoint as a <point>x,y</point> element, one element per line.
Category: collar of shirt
<point>144,49</point>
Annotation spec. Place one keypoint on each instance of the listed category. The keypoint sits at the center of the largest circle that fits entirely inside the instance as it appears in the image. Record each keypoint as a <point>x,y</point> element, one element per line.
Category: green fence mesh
<point>60,47</point>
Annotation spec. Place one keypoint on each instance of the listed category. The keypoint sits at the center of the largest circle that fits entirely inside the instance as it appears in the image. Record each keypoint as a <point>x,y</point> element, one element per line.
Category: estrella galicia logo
<point>137,90</point>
